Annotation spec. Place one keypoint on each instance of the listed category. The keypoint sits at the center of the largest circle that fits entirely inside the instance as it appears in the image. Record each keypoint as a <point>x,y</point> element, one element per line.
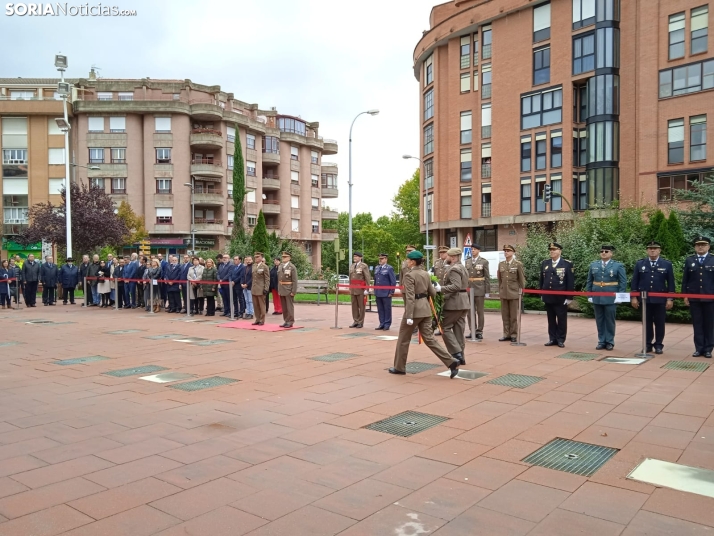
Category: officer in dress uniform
<point>480,281</point>
<point>384,277</point>
<point>654,274</point>
<point>511,278</point>
<point>605,275</point>
<point>438,269</point>
<point>456,305</point>
<point>359,281</point>
<point>698,278</point>
<point>259,288</point>
<point>417,313</point>
<point>556,273</point>
<point>287,287</point>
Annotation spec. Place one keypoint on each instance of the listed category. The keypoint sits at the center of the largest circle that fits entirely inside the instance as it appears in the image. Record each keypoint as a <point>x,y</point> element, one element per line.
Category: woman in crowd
<point>5,284</point>
<point>195,291</point>
<point>209,290</point>
<point>152,273</point>
<point>104,286</point>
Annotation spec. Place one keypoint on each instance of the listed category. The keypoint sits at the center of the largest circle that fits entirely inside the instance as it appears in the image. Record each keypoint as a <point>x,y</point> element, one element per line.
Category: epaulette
<point>568,261</point>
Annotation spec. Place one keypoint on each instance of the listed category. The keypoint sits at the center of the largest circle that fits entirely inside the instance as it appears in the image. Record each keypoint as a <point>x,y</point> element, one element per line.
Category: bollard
<point>230,299</point>
<point>187,299</point>
<point>116,294</point>
<point>337,302</point>
<point>151,296</point>
<point>520,306</point>
<point>644,353</point>
<point>189,293</point>
<point>472,312</point>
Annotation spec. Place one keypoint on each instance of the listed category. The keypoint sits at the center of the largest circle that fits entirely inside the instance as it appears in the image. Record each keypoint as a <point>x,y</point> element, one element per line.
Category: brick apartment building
<point>605,100</point>
<point>143,140</point>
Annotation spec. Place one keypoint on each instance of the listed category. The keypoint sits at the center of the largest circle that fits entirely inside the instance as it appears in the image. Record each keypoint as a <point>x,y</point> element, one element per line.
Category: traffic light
<point>547,193</point>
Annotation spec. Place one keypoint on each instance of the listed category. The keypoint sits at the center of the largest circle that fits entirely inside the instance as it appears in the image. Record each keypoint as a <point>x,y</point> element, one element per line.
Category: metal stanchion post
<point>116,294</point>
<point>643,301</point>
<point>151,296</point>
<point>86,303</point>
<point>473,316</point>
<point>187,299</point>
<point>230,292</point>
<point>337,302</point>
<point>520,306</point>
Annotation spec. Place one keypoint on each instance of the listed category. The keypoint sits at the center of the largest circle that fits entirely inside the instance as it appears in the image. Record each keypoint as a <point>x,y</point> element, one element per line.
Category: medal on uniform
<point>561,273</point>
<point>693,265</point>
<point>643,268</point>
<point>612,274</point>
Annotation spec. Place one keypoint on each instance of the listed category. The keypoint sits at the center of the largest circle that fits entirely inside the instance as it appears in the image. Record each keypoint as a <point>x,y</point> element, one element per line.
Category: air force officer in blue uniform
<point>384,276</point>
<point>698,278</point>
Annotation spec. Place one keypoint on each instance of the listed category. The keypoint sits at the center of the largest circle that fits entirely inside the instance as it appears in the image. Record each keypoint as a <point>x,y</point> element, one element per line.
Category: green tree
<point>134,224</point>
<point>678,246</point>
<point>239,191</point>
<point>260,241</point>
<point>405,216</point>
<point>656,221</point>
<point>697,216</point>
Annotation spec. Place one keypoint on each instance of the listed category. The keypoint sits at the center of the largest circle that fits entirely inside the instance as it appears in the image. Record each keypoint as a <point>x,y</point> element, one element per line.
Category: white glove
<point>567,302</point>
<point>488,296</point>
<point>409,321</point>
<point>366,292</point>
<point>590,300</point>
<point>437,287</point>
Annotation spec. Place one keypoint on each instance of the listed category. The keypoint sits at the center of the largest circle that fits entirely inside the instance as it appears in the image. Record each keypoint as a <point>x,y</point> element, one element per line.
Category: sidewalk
<point>284,451</point>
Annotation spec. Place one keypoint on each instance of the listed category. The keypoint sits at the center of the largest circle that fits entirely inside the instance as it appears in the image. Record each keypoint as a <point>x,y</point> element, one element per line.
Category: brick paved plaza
<point>284,451</point>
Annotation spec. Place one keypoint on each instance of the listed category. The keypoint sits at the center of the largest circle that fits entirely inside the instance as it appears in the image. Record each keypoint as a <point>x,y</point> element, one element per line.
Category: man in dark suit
<point>225,269</point>
<point>698,278</point>
<point>48,277</point>
<point>119,270</point>
<point>83,269</point>
<point>163,263</point>
<point>69,277</point>
<point>184,286</point>
<point>384,277</point>
<point>654,274</point>
<point>171,276</point>
<point>556,273</point>
<point>131,271</point>
<point>31,277</point>
<point>277,306</point>
<point>237,278</point>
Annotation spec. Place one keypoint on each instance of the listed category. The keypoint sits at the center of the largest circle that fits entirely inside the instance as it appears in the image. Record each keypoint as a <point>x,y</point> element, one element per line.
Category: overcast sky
<point>324,60</point>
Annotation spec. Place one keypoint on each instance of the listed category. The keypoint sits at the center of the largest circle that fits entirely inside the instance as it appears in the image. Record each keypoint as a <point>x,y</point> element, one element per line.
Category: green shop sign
<point>11,245</point>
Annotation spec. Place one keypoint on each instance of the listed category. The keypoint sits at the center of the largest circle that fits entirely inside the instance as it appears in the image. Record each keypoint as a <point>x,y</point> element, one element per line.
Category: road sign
<point>467,241</point>
<point>430,246</point>
<point>337,244</point>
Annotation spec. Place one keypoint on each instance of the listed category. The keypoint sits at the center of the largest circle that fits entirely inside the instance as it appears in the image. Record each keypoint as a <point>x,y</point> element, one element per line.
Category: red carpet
<point>243,324</point>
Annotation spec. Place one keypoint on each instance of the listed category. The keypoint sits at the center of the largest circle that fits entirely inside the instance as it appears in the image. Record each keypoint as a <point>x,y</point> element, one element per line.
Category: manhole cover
<point>303,330</point>
<point>406,424</point>
<point>211,342</point>
<point>625,360</point>
<point>168,377</point>
<point>355,335</point>
<point>385,338</point>
<point>516,380</point>
<point>167,336</point>
<point>578,356</point>
<point>692,366</point>
<point>465,374</point>
<point>571,456</point>
<point>9,343</point>
<point>134,371</point>
<point>80,360</point>
<point>190,339</point>
<point>416,367</point>
<point>337,356</point>
<point>205,383</point>
<point>123,331</point>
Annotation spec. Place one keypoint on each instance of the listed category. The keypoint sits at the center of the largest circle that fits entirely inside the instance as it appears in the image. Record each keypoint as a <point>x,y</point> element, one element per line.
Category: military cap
<point>702,240</point>
<point>287,254</point>
<point>443,249</point>
<point>383,255</point>
<point>358,254</point>
<point>554,245</point>
<point>476,246</point>
<point>257,253</point>
<point>454,252</point>
<point>410,247</point>
<point>415,255</point>
<point>608,247</point>
<point>69,259</point>
<point>508,247</point>
<point>654,244</point>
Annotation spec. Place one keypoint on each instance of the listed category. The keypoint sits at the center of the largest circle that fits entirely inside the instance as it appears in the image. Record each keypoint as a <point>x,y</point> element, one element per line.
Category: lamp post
<point>193,214</point>
<point>63,89</point>
<point>426,208</point>
<point>370,112</point>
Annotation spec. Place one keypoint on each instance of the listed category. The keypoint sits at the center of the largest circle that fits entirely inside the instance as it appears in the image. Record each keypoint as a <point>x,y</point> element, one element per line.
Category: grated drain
<point>134,371</point>
<point>206,383</point>
<point>80,360</point>
<point>578,356</point>
<point>407,423</point>
<point>337,356</point>
<point>691,366</point>
<point>416,367</point>
<point>516,380</point>
<point>571,456</point>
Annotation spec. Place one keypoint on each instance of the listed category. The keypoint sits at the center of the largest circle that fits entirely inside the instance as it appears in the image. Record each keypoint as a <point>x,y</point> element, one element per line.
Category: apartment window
<point>486,120</point>
<point>315,226</point>
<point>250,196</point>
<point>669,185</point>
<point>580,147</point>
<point>315,181</point>
<point>541,66</point>
<point>271,144</point>
<point>540,109</point>
<point>105,96</point>
<point>295,226</point>
<point>541,22</point>
<point>163,156</point>
<point>475,80</point>
<point>164,215</point>
<point>163,186</point>
<point>465,51</point>
<point>608,48</point>
<point>315,202</point>
<point>604,141</point>
<point>22,95</point>
<point>314,157</point>
<point>16,215</point>
<point>294,152</point>
<point>539,191</point>
<point>603,186</point>
<point>556,185</point>
<point>117,124</point>
<point>428,205</point>
<point>118,185</point>
<point>250,168</point>
<point>698,138</point>
<point>526,151</point>
<point>14,156</point>
<point>699,28</point>
<point>556,148</point>
<point>428,173</point>
<point>295,176</point>
<point>118,155</point>
<point>486,81</point>
<point>485,160</point>
<point>676,36</point>
<point>231,136</point>
<point>429,139</point>
<point>162,124</point>
<point>485,202</point>
<point>686,79</point>
<point>486,42</point>
<point>583,13</point>
<point>429,70</point>
<point>475,50</point>
<point>465,127</point>
<point>329,180</point>
<point>525,196</point>
<point>580,191</point>
<point>675,141</point>
<point>466,203</point>
<point>429,104</point>
<point>229,161</point>
<point>465,82</point>
<point>604,95</point>
<point>229,189</point>
<point>466,173</point>
<point>288,124</point>
<point>580,103</point>
<point>95,124</point>
<point>126,96</point>
<point>252,220</point>
<point>583,53</point>
<point>540,150</point>
<point>96,156</point>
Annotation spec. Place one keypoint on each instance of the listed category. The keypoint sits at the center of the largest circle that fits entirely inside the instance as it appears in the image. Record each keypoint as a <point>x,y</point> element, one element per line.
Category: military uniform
<point>261,284</point>
<point>384,277</point>
<point>511,279</point>
<point>556,275</point>
<point>287,288</point>
<point>456,305</point>
<point>439,269</point>
<point>654,276</point>
<point>605,277</point>
<point>417,291</point>
<point>404,268</point>
<point>480,281</point>
<point>359,280</point>
<point>698,278</point>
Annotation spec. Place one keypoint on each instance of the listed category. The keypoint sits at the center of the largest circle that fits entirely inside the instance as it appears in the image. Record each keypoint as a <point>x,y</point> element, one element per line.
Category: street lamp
<point>426,209</point>
<point>193,213</point>
<point>64,91</point>
<point>370,112</point>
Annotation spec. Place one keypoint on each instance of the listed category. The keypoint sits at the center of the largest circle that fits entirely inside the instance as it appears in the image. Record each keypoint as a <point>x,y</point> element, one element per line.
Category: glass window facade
<point>429,139</point>
<point>540,109</point>
<point>603,93</point>
<point>686,79</point>
<point>698,138</point>
<point>676,36</point>
<point>583,13</point>
<point>603,186</point>
<point>675,141</point>
<point>526,151</point>
<point>603,142</point>
<point>428,104</point>
<point>699,28</point>
<point>583,53</point>
<point>541,66</point>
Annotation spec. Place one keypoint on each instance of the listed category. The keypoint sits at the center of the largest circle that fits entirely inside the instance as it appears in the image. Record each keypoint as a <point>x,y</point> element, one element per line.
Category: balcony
<point>207,167</point>
<point>328,214</point>
<point>206,111</point>
<point>271,206</point>
<point>9,229</point>
<point>208,196</point>
<point>271,183</point>
<point>329,167</point>
<point>329,147</point>
<point>271,158</point>
<point>485,171</point>
<point>206,139</point>
<point>329,235</point>
<point>330,191</point>
<point>204,225</point>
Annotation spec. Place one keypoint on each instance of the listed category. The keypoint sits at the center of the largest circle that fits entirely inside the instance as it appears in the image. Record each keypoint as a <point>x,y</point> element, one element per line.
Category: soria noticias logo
<point>66,10</point>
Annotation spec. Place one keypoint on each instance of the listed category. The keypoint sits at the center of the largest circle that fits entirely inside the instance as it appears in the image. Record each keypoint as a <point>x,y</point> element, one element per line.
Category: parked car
<point>343,280</point>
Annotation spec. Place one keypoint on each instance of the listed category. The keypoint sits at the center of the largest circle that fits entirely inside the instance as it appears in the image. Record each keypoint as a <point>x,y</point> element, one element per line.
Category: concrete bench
<point>313,286</point>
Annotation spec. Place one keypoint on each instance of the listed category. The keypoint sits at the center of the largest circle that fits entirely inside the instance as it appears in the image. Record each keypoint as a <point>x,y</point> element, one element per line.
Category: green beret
<point>415,255</point>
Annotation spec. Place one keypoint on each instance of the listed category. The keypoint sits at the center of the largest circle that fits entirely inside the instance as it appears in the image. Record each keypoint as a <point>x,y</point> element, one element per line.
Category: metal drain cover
<point>123,331</point>
<point>571,456</point>
<point>416,367</point>
<point>205,383</point>
<point>168,377</point>
<point>465,374</point>
<point>337,356</point>
<point>578,356</point>
<point>190,339</point>
<point>516,380</point>
<point>80,360</point>
<point>303,330</point>
<point>355,335</point>
<point>625,360</point>
<point>407,423</point>
<point>134,371</point>
<point>385,338</point>
<point>167,336</point>
<point>692,366</point>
